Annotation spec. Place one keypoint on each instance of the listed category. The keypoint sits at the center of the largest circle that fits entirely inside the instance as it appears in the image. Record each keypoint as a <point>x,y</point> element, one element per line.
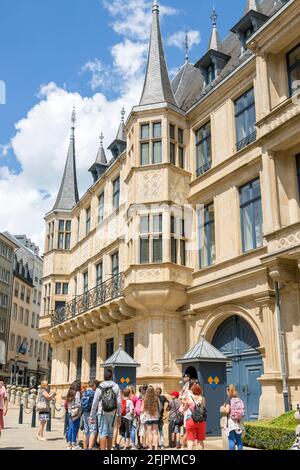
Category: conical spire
<point>215,41</point>
<point>251,5</point>
<point>68,193</point>
<point>157,87</point>
<point>101,157</point>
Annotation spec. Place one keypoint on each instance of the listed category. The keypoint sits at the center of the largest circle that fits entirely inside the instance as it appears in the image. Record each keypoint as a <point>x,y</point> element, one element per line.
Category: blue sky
<point>80,48</point>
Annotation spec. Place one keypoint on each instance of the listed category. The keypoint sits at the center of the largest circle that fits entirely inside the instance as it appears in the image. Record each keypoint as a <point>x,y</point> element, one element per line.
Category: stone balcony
<point>285,242</point>
<point>282,114</point>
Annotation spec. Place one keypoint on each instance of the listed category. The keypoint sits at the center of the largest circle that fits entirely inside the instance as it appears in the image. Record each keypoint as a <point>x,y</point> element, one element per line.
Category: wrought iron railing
<point>108,290</point>
<point>246,141</point>
<point>203,168</point>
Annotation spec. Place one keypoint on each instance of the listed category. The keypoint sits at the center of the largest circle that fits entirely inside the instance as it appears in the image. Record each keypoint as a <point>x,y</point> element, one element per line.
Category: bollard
<point>33,420</point>
<point>48,428</point>
<point>21,414</point>
<point>18,396</point>
<point>13,394</point>
<point>25,399</point>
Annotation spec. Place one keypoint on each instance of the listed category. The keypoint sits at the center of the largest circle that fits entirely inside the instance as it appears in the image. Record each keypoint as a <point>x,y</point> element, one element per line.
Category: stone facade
<point>167,301</point>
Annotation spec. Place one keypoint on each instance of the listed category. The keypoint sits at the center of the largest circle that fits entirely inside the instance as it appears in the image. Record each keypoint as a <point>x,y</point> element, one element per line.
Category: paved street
<point>23,437</point>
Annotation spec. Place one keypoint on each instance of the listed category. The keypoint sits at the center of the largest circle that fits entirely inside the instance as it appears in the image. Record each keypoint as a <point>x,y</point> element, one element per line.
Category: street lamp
<point>15,369</point>
<point>37,370</point>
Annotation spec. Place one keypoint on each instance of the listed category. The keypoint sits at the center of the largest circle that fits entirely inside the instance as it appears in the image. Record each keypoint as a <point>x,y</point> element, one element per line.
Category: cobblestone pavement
<point>22,437</point>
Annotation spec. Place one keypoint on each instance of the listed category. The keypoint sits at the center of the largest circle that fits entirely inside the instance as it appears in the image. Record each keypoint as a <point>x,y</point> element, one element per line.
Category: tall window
<point>178,242</point>
<point>210,73</point>
<point>115,264</point>
<point>298,171</point>
<point>12,342</point>
<point>99,274</point>
<point>15,311</point>
<point>33,320</point>
<point>21,315</point>
<point>245,119</point>
<point>181,148</point>
<point>100,208</point>
<point>93,361</point>
<point>251,216</point>
<point>151,239</point>
<point>116,193</point>
<point>109,343</point>
<point>151,142</point>
<point>64,234</point>
<point>129,344</point>
<point>203,149</point>
<point>87,220</point>
<point>172,153</point>
<point>26,321</point>
<point>85,282</point>
<point>293,61</point>
<point>50,236</point>
<point>79,364</point>
<point>206,223</point>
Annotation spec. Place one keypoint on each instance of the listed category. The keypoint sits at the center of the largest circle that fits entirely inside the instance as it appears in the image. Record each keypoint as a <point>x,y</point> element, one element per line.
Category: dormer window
<point>212,64</point>
<point>248,25</point>
<point>211,73</point>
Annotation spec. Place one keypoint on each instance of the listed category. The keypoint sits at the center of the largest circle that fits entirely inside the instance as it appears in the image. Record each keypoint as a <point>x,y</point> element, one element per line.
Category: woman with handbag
<point>74,413</point>
<point>43,408</point>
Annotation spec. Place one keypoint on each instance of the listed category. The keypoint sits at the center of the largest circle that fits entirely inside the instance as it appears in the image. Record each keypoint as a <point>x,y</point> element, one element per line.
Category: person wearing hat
<point>175,419</point>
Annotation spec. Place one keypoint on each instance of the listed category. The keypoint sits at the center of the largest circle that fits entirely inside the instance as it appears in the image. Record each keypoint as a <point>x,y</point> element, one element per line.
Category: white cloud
<point>178,39</point>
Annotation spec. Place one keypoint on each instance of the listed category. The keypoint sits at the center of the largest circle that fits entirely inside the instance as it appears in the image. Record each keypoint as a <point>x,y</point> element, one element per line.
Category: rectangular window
<point>22,293</point>
<point>93,361</point>
<point>116,193</point>
<point>181,157</point>
<point>245,119</point>
<point>58,288</point>
<point>298,171</point>
<point>65,288</point>
<point>36,346</point>
<point>33,320</point>
<point>15,311</point>
<point>129,344</point>
<point>79,364</point>
<point>172,132</point>
<point>21,315</point>
<point>37,321</point>
<point>251,216</point>
<point>203,149</point>
<point>145,131</point>
<point>145,154</point>
<point>101,208</point>
<point>28,296</point>
<point>183,252</point>
<point>64,234</point>
<point>172,154</point>
<point>157,249</point>
<point>115,264</point>
<point>206,224</point>
<point>210,73</point>
<point>26,321</point>
<point>144,250</point>
<point>85,282</point>
<point>99,274</point>
<point>151,239</point>
<point>2,325</point>
<point>293,61</point>
<point>173,250</point>
<point>157,152</point>
<point>12,342</point>
<point>157,130</point>
<point>44,351</point>
<point>180,136</point>
<point>87,220</point>
<point>109,347</point>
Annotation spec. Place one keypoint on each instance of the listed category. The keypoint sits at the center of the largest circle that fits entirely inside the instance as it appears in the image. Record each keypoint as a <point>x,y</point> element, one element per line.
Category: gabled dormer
<point>119,144</point>
<point>214,61</point>
<point>249,23</point>
<point>100,166</point>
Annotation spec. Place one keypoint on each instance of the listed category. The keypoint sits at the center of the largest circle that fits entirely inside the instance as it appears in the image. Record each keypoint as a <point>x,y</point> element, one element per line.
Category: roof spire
<point>123,112</point>
<point>101,157</point>
<point>215,41</point>
<point>68,196</point>
<point>157,87</point>
<point>187,46</point>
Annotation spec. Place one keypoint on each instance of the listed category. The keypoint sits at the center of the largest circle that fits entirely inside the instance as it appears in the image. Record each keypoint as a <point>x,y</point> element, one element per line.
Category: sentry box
<point>207,364</point>
<point>124,368</point>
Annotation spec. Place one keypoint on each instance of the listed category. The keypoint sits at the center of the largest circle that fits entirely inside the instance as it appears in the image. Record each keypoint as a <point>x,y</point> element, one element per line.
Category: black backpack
<point>179,419</point>
<point>109,399</point>
<point>199,414</point>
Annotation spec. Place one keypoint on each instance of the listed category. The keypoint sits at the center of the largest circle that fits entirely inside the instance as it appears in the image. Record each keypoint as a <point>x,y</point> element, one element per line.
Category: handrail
<point>108,290</point>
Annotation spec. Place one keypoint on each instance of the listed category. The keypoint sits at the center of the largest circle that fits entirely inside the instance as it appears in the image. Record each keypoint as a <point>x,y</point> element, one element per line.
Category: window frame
<point>206,142</point>
<point>291,68</point>
<point>250,202</point>
<point>207,227</point>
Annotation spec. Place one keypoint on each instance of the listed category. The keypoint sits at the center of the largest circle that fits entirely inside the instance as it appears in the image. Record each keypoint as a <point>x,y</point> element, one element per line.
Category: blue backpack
<point>87,400</point>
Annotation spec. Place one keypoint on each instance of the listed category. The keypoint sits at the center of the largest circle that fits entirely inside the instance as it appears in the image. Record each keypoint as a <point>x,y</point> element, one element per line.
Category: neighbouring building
<point>193,227</point>
<point>27,353</point>
<point>7,248</point>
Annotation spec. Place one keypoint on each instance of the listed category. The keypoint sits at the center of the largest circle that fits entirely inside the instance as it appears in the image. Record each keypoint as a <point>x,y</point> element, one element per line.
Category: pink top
<point>3,395</point>
<point>134,399</point>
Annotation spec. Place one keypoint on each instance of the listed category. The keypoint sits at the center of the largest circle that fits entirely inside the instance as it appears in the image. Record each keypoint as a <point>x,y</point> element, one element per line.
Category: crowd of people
<point>111,418</point>
<point>115,419</point>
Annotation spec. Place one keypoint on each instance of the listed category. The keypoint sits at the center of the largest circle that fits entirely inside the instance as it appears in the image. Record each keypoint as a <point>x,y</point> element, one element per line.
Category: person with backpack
<point>235,411</point>
<point>107,404</point>
<point>126,420</point>
<point>196,416</point>
<point>176,419</point>
<point>89,430</point>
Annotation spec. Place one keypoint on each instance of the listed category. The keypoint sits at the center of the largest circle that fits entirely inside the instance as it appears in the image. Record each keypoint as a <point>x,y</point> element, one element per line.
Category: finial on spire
<point>187,46</point>
<point>214,17</point>
<point>101,139</point>
<point>73,117</point>
<point>123,112</point>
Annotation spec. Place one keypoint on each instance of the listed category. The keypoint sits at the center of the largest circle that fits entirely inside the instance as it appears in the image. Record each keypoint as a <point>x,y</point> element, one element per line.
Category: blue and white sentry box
<point>124,368</point>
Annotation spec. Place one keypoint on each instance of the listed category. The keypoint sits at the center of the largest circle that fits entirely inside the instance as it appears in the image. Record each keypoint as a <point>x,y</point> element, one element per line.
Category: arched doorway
<point>236,339</point>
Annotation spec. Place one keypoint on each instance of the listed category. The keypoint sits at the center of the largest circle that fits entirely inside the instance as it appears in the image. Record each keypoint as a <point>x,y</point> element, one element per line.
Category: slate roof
<point>187,85</point>
<point>203,352</point>
<point>157,87</point>
<point>120,359</point>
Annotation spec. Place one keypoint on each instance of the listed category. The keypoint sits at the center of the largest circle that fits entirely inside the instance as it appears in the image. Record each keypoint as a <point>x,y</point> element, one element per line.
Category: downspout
<point>282,345</point>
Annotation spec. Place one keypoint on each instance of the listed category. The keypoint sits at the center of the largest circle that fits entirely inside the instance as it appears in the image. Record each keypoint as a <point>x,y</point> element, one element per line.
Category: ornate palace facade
<point>193,228</point>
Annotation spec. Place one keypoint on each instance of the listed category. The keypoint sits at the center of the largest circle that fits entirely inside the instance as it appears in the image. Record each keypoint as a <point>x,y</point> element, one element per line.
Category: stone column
<point>263,103</point>
<point>271,214</point>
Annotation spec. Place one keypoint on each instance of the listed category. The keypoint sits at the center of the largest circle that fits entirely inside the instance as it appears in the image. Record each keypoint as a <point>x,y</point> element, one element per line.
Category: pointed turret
<point>100,165</point>
<point>215,41</point>
<point>68,193</point>
<point>119,144</point>
<point>157,87</point>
